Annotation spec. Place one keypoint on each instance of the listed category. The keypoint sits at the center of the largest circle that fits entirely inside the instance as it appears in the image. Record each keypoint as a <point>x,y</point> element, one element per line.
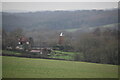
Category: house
<point>23,43</point>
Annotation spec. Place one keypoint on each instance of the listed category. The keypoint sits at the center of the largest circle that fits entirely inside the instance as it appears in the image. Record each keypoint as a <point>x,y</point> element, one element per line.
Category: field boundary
<point>34,57</point>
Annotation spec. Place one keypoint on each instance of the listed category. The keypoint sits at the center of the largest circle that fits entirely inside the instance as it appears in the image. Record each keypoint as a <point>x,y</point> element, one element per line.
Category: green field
<point>11,52</point>
<point>16,67</point>
<point>63,55</point>
<point>0,67</point>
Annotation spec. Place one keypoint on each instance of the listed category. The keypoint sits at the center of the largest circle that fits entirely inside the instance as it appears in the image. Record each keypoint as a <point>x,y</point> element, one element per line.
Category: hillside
<point>14,67</point>
<point>88,29</point>
<point>59,20</point>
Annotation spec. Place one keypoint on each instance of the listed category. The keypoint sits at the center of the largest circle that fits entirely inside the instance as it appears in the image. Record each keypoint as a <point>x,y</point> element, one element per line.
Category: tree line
<point>99,46</point>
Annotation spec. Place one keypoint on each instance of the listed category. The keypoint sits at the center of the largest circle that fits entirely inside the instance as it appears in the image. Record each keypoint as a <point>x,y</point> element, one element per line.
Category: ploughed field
<point>16,67</point>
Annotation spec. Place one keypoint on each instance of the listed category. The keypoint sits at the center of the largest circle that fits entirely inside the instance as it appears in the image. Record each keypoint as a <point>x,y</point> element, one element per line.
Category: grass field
<point>0,66</point>
<point>63,55</point>
<point>16,67</point>
<point>11,52</point>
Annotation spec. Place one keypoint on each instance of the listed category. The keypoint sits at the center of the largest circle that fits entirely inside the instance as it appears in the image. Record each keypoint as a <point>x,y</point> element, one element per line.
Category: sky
<point>51,6</point>
<point>59,0</point>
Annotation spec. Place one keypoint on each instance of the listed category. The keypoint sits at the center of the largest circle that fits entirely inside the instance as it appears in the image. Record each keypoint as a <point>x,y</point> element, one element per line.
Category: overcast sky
<point>43,6</point>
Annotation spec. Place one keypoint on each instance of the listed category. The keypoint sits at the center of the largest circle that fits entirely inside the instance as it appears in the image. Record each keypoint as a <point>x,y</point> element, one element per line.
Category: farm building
<point>61,39</point>
<point>41,51</point>
<point>24,43</point>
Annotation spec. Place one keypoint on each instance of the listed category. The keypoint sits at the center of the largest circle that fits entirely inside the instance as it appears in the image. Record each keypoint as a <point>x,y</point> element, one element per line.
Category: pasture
<point>16,67</point>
